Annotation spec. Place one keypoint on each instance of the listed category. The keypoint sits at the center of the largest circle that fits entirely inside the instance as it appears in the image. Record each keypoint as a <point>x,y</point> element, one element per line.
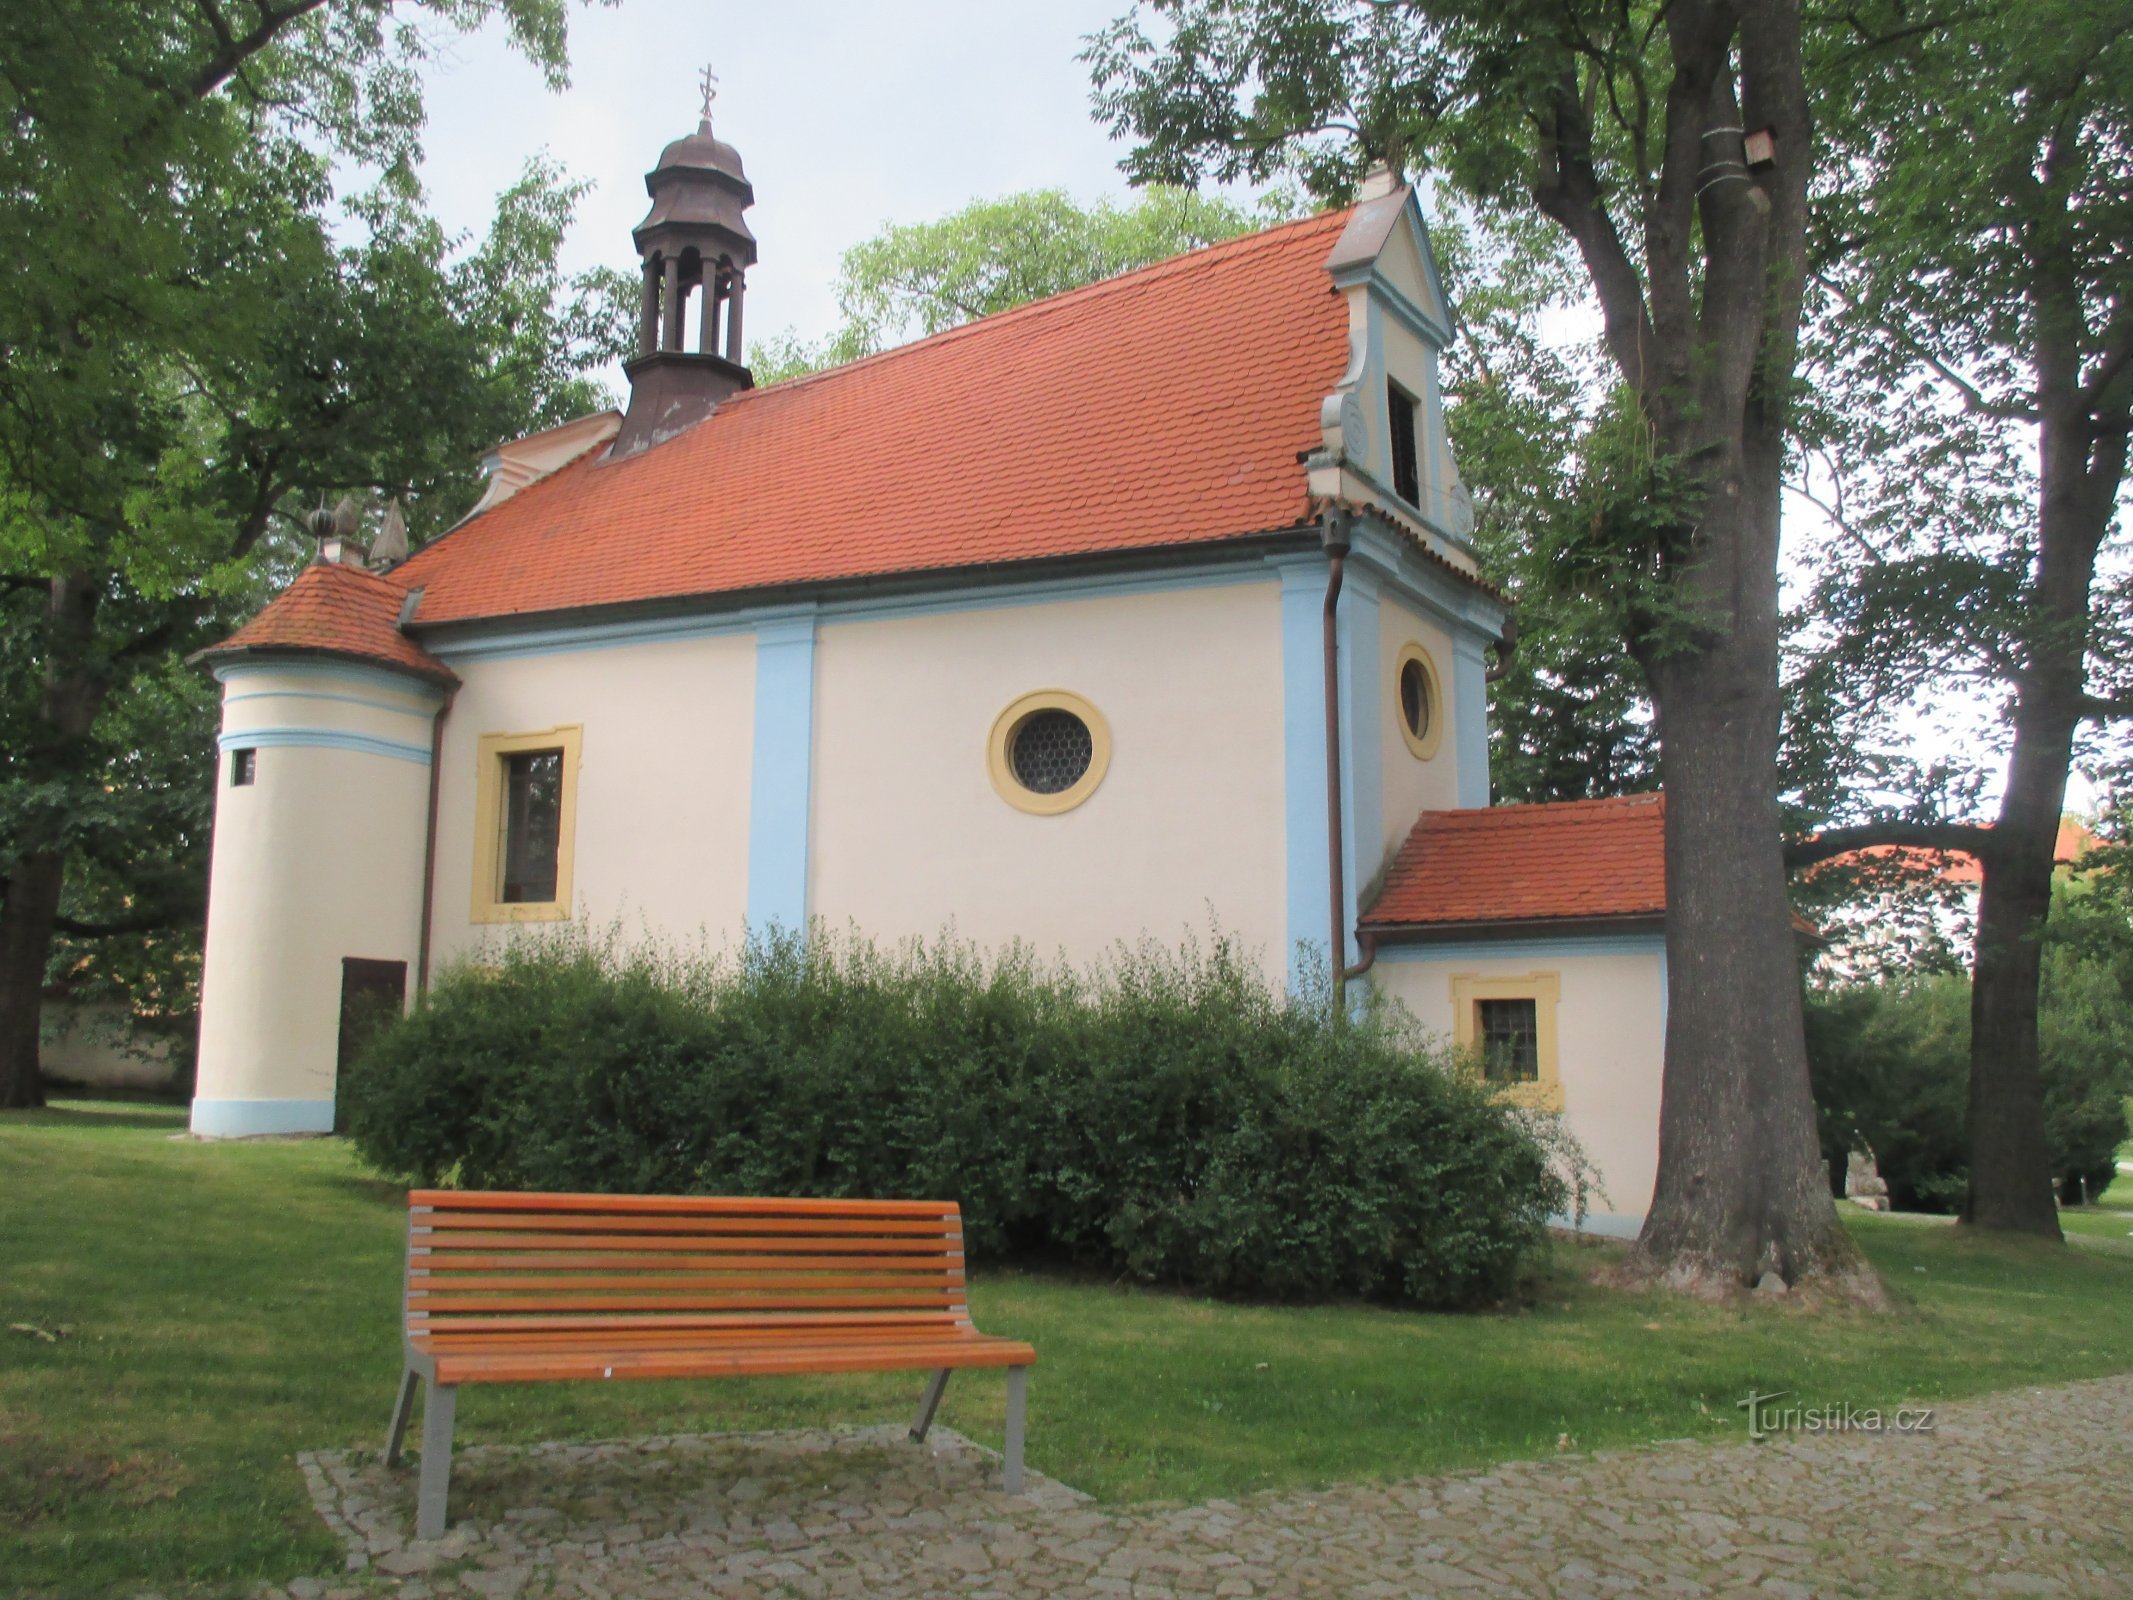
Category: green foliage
<point>203,337</point>
<point>1172,1120</point>
<point>914,279</point>
<point>1891,1063</point>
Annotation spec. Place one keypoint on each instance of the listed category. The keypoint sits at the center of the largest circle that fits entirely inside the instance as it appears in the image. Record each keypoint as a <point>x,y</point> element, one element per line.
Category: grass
<point>227,1306</point>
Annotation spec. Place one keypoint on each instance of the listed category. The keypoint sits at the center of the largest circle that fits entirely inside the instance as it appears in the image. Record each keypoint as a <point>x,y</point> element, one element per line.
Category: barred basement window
<point>1048,752</point>
<point>1406,465</point>
<point>1510,1040</point>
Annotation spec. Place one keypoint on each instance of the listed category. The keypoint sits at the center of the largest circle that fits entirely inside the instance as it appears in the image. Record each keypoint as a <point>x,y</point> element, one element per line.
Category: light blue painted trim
<point>780,776</point>
<point>1603,1224</point>
<point>253,1119</point>
<point>1382,289</point>
<point>343,673</point>
<point>1362,746</point>
<point>323,739</point>
<point>967,597</point>
<point>1303,755</point>
<point>1536,947</point>
<point>1470,718</point>
<point>1407,575</point>
<point>418,713</point>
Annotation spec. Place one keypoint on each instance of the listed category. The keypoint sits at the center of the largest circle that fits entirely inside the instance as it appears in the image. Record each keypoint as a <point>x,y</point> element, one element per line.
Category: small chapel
<point>1139,609</point>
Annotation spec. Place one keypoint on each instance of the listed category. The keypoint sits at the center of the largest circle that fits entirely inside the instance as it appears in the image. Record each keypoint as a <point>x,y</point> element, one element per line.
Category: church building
<point>1143,608</point>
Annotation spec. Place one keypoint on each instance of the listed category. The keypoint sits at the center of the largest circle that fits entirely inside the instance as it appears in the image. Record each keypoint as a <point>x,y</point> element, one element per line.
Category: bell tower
<point>696,250</point>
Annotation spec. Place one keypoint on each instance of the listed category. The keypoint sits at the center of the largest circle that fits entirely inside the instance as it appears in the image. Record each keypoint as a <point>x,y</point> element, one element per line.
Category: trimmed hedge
<point>1170,1119</point>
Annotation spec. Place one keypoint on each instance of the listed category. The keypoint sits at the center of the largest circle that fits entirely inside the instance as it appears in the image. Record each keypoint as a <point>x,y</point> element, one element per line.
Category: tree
<point>1976,358</point>
<point>919,278</point>
<point>1568,719</point>
<point>1622,123</point>
<point>187,357</point>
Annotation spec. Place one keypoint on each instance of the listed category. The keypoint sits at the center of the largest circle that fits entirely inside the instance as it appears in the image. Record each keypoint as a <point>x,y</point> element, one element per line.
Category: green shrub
<point>1891,1070</point>
<point>1169,1118</point>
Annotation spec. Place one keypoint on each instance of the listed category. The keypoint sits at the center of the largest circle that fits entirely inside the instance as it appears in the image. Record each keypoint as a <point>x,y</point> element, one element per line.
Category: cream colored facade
<point>317,860</point>
<point>1608,997</point>
<point>908,835</point>
<point>837,759</point>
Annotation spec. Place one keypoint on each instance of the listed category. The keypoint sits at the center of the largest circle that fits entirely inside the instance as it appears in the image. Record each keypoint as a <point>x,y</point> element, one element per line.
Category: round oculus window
<point>1415,709</point>
<point>1048,752</point>
<point>1419,701</point>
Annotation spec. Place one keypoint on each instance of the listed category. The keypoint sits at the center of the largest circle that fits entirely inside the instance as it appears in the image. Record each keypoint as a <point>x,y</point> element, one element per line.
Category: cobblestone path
<point>2024,1493</point>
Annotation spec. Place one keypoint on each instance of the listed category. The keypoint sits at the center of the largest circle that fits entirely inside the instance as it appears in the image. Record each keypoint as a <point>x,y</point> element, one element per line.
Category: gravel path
<point>2024,1493</point>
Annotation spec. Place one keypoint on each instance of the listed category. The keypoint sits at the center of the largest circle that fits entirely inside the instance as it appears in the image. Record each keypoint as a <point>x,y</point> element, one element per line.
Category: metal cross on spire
<point>709,79</point>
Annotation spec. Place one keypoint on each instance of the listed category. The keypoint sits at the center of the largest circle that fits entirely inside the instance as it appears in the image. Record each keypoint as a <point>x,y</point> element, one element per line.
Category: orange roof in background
<point>1166,406</point>
<point>336,611</point>
<point>1569,860</point>
<point>1959,866</point>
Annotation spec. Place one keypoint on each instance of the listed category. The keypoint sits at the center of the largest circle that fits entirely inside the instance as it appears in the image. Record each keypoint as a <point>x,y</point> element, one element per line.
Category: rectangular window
<point>1509,1034</point>
<point>533,826</point>
<point>1508,1022</point>
<point>525,817</point>
<point>244,765</point>
<point>1401,407</point>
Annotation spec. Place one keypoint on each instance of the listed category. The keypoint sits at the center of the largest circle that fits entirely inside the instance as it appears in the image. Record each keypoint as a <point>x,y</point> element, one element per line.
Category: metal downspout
<point>1334,531</point>
<point>429,847</point>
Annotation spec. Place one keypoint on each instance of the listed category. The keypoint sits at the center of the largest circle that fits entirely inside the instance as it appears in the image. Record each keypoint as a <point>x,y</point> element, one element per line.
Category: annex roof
<point>1566,861</point>
<point>1164,407</point>
<point>335,610</point>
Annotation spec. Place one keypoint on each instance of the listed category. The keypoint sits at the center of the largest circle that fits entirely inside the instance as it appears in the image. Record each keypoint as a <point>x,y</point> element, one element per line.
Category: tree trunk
<point>75,686</point>
<point>1742,1192</point>
<point>2010,1159</point>
<point>27,914</point>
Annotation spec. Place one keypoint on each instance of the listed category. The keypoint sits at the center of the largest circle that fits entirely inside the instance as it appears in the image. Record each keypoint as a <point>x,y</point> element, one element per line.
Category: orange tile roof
<point>2074,841</point>
<point>336,610</point>
<point>1567,861</point>
<point>1163,407</point>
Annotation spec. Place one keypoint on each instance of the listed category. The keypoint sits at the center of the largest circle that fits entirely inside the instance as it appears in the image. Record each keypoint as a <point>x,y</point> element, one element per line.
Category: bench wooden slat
<point>707,1205</point>
<point>932,1276</point>
<point>530,1288</point>
<point>677,1261</point>
<point>580,1222</point>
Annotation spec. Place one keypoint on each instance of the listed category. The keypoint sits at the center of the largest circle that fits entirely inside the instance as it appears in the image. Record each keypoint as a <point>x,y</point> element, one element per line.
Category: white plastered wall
<point>319,858</point>
<point>1610,1043</point>
<point>909,835</point>
<point>660,845</point>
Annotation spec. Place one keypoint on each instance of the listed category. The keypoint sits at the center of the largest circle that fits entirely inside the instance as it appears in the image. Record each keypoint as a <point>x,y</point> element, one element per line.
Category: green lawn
<point>229,1305</point>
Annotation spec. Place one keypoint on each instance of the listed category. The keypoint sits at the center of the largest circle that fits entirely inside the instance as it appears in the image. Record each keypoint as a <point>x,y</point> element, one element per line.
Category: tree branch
<point>1966,838</point>
<point>232,50</point>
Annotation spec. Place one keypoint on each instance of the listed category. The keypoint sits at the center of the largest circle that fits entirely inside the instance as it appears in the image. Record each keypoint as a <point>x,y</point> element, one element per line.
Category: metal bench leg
<point>928,1403</point>
<point>437,1408</point>
<point>401,1407</point>
<point>1017,1408</point>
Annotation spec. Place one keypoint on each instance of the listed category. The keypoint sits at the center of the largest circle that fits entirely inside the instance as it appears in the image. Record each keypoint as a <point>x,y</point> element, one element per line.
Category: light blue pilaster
<point>1362,743</point>
<point>780,777</point>
<point>1470,716</point>
<point>1303,740</point>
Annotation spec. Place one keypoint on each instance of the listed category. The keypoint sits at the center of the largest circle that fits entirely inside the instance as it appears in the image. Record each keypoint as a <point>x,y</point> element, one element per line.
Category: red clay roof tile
<point>336,610</point>
<point>1571,860</point>
<point>1163,407</point>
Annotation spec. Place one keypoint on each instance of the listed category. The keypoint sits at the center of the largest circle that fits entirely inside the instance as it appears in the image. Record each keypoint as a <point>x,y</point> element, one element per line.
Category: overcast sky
<point>846,114</point>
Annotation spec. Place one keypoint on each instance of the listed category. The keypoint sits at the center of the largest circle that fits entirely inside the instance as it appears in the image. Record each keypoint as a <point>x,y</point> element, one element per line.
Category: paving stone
<point>2027,1493</point>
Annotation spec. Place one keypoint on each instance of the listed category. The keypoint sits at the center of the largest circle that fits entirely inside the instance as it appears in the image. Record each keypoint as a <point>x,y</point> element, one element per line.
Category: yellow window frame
<point>1545,990</point>
<point>489,800</point>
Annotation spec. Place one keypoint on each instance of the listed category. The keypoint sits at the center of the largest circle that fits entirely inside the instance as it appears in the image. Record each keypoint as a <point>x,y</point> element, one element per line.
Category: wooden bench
<point>545,1288</point>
